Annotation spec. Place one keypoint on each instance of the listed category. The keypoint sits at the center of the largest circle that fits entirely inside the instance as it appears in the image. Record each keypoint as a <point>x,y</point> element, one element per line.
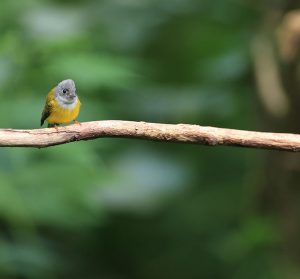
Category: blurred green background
<point>120,208</point>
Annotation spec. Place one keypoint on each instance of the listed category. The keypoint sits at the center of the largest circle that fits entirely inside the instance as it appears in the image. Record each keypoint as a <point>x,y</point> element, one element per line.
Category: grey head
<point>65,92</point>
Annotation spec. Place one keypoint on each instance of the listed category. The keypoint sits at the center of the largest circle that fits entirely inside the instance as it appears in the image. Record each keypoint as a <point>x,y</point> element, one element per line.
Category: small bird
<point>62,104</point>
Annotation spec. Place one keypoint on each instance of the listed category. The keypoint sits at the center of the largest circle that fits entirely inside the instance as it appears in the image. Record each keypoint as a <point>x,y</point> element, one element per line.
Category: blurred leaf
<point>92,71</point>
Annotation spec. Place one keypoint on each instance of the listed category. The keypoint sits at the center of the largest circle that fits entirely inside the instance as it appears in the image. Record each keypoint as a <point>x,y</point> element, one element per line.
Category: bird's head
<point>65,91</point>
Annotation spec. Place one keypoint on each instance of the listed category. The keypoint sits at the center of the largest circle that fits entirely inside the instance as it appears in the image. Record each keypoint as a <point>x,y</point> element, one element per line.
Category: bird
<point>62,104</point>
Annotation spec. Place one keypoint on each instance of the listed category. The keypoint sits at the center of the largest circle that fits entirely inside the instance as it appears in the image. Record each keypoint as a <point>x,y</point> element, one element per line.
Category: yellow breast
<point>60,114</point>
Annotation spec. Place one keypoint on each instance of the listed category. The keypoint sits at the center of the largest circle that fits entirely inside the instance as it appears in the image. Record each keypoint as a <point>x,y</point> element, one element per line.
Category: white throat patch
<point>64,104</point>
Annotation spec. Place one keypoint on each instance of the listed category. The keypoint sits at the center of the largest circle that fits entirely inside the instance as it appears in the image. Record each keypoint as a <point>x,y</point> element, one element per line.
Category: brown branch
<point>181,133</point>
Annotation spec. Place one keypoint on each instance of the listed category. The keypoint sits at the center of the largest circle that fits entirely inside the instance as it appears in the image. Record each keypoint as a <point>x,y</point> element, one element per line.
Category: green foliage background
<point>116,208</point>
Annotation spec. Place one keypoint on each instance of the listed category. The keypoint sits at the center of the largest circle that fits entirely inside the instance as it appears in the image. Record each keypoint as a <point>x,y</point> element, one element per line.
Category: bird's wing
<point>48,108</point>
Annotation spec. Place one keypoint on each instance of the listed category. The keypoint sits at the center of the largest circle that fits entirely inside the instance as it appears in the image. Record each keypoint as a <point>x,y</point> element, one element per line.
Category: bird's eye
<point>64,91</point>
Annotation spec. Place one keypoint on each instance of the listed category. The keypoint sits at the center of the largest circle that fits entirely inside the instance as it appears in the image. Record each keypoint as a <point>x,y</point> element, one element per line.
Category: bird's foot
<point>55,126</point>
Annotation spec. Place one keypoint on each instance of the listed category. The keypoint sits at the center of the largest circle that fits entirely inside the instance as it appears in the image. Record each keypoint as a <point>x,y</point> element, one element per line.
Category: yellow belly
<point>62,115</point>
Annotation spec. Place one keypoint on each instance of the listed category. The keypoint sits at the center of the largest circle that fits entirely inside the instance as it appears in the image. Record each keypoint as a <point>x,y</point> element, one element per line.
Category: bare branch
<point>181,133</point>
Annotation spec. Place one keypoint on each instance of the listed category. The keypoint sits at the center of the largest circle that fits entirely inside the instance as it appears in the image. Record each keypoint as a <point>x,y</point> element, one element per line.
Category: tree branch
<point>181,133</point>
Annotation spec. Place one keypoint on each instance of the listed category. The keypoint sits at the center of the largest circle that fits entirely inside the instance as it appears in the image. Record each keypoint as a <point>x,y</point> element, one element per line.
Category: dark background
<point>120,208</point>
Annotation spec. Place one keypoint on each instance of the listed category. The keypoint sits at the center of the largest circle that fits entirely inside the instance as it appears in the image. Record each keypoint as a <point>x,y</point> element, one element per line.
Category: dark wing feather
<point>46,113</point>
<point>48,108</point>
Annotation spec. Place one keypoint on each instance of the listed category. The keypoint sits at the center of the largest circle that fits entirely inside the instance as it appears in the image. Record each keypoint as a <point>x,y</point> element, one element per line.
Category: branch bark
<point>180,133</point>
